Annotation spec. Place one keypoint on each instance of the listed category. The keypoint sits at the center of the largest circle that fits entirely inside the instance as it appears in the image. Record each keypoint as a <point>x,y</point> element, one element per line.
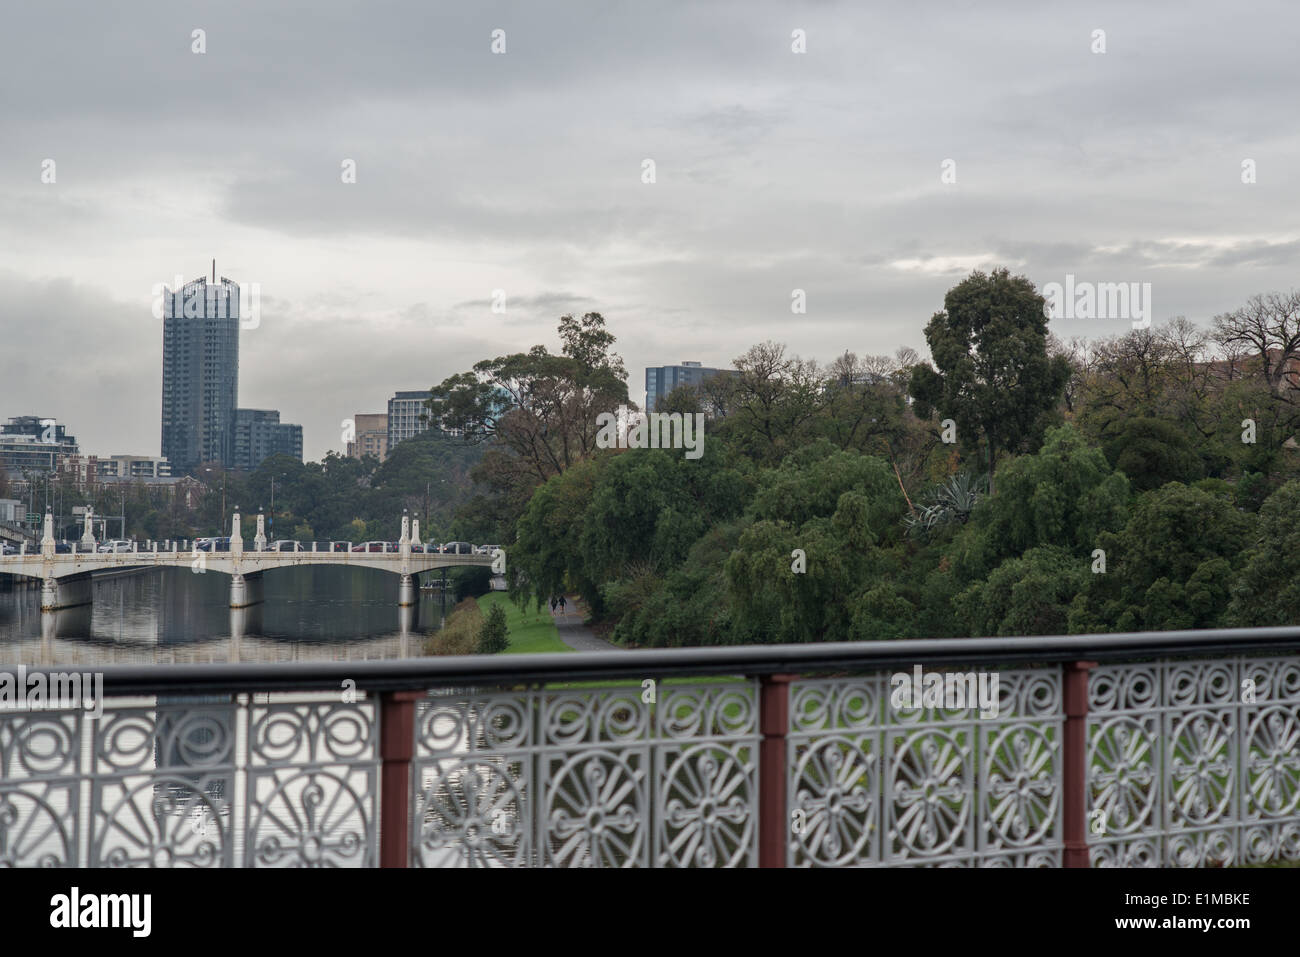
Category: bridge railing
<point>1163,749</point>
<point>168,546</point>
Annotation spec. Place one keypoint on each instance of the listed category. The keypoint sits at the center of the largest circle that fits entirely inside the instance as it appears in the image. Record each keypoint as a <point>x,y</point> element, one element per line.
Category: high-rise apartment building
<point>660,380</point>
<point>33,443</point>
<point>404,411</point>
<point>370,435</point>
<point>259,434</point>
<point>200,373</point>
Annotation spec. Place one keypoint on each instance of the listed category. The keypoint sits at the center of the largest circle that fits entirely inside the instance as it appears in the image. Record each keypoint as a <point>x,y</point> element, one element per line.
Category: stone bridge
<point>66,576</point>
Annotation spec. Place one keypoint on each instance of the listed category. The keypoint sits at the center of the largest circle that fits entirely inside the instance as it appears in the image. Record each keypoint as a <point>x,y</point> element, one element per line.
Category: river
<point>174,616</point>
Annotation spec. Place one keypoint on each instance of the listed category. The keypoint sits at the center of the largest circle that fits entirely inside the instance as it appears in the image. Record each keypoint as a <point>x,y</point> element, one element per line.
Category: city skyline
<point>775,171</point>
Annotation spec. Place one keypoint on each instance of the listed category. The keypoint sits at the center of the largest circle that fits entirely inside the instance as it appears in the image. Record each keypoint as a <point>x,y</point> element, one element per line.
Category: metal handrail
<point>451,671</point>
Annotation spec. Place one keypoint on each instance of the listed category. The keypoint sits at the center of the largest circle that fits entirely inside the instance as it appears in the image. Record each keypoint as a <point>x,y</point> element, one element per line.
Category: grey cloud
<point>775,171</point>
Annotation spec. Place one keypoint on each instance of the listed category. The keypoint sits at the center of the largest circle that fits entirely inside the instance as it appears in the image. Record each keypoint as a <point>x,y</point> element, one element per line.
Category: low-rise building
<point>133,466</point>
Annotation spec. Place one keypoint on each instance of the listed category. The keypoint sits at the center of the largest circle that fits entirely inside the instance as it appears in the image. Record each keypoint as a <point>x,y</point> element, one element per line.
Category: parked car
<point>117,545</point>
<point>286,545</point>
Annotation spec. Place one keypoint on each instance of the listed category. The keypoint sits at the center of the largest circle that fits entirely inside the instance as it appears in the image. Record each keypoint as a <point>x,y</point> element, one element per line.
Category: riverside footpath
<point>573,632</point>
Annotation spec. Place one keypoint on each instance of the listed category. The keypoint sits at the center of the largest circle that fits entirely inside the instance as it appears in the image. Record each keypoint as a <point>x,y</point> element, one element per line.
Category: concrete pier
<point>66,592</point>
<point>408,593</point>
<point>246,590</point>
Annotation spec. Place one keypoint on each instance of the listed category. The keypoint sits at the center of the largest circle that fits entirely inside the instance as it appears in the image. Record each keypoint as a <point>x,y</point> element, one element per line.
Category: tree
<point>769,400</point>
<point>862,403</point>
<point>1267,592</point>
<point>536,411</point>
<point>821,525</point>
<point>540,407</point>
<point>1152,453</point>
<point>546,556</point>
<point>995,379</point>
<point>1027,595</point>
<point>1168,374</point>
<point>493,636</point>
<point>1163,570</point>
<point>649,505</point>
<point>691,606</point>
<point>1065,494</point>
<point>1266,334</point>
<point>1267,329</point>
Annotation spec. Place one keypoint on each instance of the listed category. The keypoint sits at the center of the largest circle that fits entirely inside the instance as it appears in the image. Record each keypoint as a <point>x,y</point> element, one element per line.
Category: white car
<point>284,545</point>
<point>117,545</point>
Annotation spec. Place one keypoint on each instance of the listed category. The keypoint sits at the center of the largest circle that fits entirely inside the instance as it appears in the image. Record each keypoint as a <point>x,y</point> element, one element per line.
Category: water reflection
<point>173,615</point>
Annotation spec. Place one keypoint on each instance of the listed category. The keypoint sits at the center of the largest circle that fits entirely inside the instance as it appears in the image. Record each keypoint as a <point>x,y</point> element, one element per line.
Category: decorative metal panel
<point>590,777</point>
<point>872,784</point>
<point>40,788</point>
<point>191,782</point>
<point>1194,763</point>
<point>162,779</point>
<point>312,782</point>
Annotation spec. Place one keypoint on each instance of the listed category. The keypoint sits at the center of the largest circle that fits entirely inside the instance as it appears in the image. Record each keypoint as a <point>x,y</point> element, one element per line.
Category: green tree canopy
<point>994,379</point>
<point>1267,592</point>
<point>1164,570</point>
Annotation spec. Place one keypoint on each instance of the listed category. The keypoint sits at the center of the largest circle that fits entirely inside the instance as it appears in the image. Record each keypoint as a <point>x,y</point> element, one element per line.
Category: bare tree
<point>1268,329</point>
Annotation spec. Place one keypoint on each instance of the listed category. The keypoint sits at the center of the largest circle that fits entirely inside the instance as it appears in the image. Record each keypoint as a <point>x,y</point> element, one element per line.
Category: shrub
<point>492,634</point>
<point>460,634</point>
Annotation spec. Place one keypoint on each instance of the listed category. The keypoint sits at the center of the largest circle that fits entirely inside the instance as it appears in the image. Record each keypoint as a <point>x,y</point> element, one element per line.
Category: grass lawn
<point>528,633</point>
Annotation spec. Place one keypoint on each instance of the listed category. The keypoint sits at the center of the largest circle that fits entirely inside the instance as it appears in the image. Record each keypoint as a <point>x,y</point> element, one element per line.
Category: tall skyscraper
<point>200,373</point>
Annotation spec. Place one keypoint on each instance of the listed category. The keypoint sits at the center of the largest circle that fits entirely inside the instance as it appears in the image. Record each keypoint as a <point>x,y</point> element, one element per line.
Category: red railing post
<point>396,748</point>
<point>1074,764</point>
<point>773,722</point>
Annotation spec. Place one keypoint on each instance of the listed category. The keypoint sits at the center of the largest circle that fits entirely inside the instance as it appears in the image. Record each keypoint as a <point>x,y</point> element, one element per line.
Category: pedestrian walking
<point>553,604</point>
<point>561,603</point>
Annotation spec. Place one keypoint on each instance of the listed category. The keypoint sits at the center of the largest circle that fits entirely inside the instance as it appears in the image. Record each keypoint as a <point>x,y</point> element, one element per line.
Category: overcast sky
<point>522,172</point>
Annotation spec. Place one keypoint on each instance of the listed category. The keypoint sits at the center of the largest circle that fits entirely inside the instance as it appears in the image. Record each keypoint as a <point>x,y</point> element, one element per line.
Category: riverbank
<point>529,632</point>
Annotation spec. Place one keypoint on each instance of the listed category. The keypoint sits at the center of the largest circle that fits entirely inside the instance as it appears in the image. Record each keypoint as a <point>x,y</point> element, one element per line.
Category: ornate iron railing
<point>1165,749</point>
